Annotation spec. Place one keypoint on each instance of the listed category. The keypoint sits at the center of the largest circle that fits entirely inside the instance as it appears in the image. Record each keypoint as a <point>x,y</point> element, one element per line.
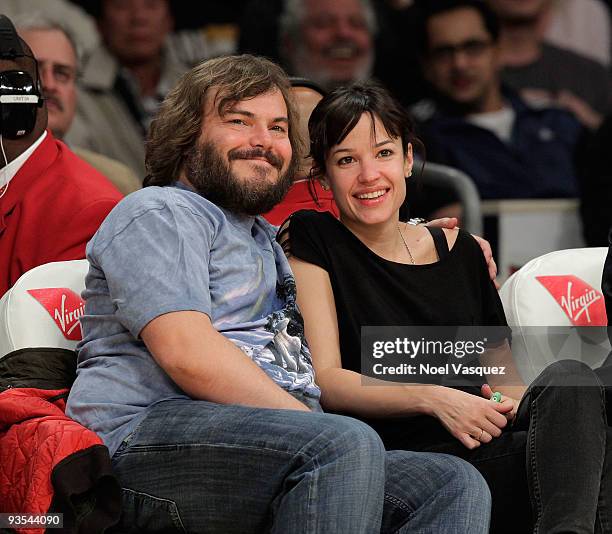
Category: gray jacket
<point>103,122</point>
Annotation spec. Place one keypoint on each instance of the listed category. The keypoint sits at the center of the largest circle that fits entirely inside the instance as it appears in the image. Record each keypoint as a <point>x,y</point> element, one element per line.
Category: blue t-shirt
<point>169,249</point>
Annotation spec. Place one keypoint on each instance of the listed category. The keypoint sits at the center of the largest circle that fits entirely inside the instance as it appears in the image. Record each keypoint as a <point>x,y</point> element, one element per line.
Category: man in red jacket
<point>51,202</point>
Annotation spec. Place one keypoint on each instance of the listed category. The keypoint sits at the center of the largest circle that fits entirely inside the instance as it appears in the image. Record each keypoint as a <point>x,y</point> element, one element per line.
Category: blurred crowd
<point>515,93</point>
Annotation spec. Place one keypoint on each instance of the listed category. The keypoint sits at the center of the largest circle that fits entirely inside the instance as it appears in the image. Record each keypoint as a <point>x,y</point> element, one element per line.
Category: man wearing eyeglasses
<point>509,149</point>
<point>57,67</point>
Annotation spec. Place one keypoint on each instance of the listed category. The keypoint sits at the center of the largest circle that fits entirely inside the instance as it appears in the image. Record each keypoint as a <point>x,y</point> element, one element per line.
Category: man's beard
<point>212,178</point>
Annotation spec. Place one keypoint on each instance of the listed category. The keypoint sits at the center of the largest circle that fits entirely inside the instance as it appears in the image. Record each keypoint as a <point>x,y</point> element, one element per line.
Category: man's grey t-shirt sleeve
<point>155,261</point>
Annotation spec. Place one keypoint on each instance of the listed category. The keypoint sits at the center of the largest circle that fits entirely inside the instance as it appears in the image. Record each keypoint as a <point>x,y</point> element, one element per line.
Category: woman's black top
<point>372,291</point>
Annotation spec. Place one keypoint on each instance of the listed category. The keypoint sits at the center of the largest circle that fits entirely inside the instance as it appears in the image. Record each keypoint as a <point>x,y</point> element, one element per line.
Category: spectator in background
<point>51,201</point>
<point>546,74</point>
<point>331,43</point>
<point>509,149</point>
<point>125,79</point>
<point>382,30</point>
<point>306,95</point>
<point>56,52</point>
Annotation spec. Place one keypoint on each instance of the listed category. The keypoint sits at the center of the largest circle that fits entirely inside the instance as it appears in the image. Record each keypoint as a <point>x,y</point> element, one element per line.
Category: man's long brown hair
<point>178,123</point>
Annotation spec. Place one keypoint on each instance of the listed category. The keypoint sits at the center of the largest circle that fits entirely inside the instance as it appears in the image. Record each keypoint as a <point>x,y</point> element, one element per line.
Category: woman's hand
<point>487,393</point>
<point>471,419</point>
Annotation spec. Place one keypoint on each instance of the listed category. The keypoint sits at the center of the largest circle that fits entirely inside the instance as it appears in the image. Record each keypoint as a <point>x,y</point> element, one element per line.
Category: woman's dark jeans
<point>549,472</point>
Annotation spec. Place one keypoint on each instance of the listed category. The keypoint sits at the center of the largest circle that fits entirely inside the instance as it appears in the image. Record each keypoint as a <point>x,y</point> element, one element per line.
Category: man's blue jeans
<point>196,466</point>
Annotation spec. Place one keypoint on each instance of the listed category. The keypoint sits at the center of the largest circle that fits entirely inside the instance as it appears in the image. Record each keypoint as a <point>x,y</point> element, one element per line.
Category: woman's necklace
<point>406,245</point>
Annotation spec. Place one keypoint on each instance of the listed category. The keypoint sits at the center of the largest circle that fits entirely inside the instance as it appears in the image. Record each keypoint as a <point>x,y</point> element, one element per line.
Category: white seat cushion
<point>43,307</point>
<point>553,302</point>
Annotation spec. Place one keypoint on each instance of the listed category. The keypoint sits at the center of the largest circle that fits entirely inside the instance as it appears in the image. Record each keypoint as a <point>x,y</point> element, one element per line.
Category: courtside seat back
<point>42,309</point>
<point>556,310</point>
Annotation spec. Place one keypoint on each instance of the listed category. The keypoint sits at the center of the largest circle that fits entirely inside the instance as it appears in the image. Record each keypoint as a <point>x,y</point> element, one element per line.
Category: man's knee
<point>342,435</point>
<point>467,480</point>
<point>434,470</point>
<point>418,481</point>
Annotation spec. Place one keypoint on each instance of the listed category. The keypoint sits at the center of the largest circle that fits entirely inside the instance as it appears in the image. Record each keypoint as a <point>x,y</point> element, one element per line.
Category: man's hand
<point>581,110</point>
<point>445,222</point>
<point>450,223</point>
<point>584,113</point>
<point>488,254</point>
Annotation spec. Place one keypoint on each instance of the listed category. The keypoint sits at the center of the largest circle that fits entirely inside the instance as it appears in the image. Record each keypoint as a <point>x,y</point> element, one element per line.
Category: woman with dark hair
<point>541,449</point>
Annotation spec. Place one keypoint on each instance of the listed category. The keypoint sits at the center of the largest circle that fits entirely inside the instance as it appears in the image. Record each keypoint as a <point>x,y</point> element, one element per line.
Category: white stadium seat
<point>556,310</point>
<point>43,308</point>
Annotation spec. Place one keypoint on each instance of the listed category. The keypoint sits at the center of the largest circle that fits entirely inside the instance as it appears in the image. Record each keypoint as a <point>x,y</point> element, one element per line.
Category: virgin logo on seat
<point>64,306</point>
<point>583,304</point>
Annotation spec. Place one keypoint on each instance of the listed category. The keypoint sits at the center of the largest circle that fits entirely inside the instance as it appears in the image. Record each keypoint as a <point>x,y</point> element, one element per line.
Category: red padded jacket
<point>50,463</point>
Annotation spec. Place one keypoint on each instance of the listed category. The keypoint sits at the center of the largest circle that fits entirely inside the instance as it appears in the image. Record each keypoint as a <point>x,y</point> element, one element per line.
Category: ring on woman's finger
<point>479,435</point>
